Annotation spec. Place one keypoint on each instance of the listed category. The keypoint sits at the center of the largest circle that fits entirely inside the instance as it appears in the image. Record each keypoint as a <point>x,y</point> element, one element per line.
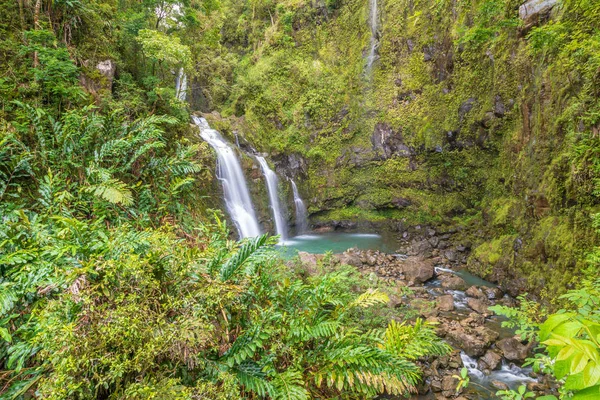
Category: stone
<point>424,307</point>
<point>417,270</point>
<point>307,259</point>
<point>474,342</point>
<point>445,303</point>
<point>490,360</point>
<point>478,305</point>
<point>449,384</point>
<point>493,293</point>
<point>513,349</point>
<point>499,385</point>
<point>387,143</point>
<point>349,258</point>
<point>476,292</point>
<point>453,282</point>
<point>450,255</point>
<point>107,68</point>
<point>534,12</point>
<point>499,109</point>
<point>465,107</point>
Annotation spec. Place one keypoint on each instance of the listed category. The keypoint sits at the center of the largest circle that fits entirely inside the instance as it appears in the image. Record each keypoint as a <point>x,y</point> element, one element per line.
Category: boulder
<point>534,12</point>
<point>513,349</point>
<point>470,341</point>
<point>417,270</point>
<point>476,292</point>
<point>493,293</point>
<point>499,385</point>
<point>445,303</point>
<point>453,282</point>
<point>478,305</point>
<point>349,258</point>
<point>490,360</point>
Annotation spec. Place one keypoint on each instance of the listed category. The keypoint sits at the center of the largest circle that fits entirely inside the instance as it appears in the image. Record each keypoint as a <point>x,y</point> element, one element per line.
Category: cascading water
<point>272,185</point>
<point>229,172</point>
<point>374,42</point>
<point>181,85</point>
<point>301,213</point>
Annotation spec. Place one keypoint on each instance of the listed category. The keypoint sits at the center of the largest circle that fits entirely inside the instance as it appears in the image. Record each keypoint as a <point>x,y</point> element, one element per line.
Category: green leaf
<point>4,334</point>
<point>592,393</point>
<point>551,323</point>
<point>591,374</point>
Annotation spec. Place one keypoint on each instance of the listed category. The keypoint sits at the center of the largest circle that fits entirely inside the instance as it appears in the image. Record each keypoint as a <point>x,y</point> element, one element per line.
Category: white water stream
<point>272,186</point>
<point>229,172</point>
<point>301,213</point>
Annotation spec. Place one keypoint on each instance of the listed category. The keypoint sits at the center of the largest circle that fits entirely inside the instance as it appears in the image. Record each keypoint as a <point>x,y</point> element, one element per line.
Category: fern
<point>244,254</point>
<point>413,342</point>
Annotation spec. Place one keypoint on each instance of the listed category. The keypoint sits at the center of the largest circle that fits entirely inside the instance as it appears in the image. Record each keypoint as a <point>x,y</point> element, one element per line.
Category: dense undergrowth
<point>116,279</point>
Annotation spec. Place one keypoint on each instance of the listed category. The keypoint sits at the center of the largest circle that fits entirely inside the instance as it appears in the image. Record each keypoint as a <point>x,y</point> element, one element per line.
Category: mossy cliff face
<point>475,114</point>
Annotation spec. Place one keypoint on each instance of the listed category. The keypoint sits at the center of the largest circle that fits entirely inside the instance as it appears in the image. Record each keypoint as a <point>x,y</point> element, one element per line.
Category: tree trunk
<point>36,26</point>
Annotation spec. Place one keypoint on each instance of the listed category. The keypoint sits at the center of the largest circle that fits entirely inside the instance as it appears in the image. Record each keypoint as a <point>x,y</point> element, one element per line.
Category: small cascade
<point>229,172</point>
<point>374,42</point>
<point>272,186</point>
<point>301,213</point>
<point>181,85</point>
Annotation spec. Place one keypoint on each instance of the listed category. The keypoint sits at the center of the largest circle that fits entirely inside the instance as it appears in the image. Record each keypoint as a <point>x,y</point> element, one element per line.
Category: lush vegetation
<point>116,279</point>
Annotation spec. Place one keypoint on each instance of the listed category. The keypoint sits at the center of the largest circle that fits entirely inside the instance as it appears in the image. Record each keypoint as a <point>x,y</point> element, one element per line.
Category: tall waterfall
<point>272,185</point>
<point>229,172</point>
<point>301,213</point>
<point>181,85</point>
<point>374,42</point>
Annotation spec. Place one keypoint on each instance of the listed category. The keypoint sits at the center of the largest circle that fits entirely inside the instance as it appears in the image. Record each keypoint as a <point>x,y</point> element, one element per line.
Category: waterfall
<point>374,42</point>
<point>229,172</point>
<point>272,185</point>
<point>181,85</point>
<point>301,214</point>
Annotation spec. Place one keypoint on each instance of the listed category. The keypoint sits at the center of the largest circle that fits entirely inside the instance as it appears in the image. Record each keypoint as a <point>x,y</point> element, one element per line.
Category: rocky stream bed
<point>439,290</point>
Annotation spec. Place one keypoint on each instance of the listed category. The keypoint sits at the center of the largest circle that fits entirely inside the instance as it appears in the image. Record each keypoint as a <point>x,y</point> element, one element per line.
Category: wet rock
<point>539,387</point>
<point>417,270</point>
<point>476,292</point>
<point>453,282</point>
<point>490,360</point>
<point>421,247</point>
<point>107,68</point>
<point>493,293</point>
<point>387,143</point>
<point>445,303</point>
<point>535,12</point>
<point>499,109</point>
<point>451,255</point>
<point>465,107</point>
<point>499,385</point>
<point>513,349</point>
<point>449,384</point>
<point>474,342</point>
<point>308,259</point>
<point>462,248</point>
<point>349,258</point>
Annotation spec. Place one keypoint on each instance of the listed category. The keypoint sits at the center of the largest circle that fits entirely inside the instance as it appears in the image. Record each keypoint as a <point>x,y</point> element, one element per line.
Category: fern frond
<point>289,386</point>
<point>245,346</point>
<point>113,191</point>
<point>413,342</point>
<point>251,377</point>
<point>247,249</point>
<point>370,298</point>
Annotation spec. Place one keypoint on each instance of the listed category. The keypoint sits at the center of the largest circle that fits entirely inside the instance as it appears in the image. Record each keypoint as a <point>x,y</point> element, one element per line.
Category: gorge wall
<point>481,115</point>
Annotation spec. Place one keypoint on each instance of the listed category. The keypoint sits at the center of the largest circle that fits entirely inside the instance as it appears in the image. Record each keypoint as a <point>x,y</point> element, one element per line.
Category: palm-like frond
<point>413,341</point>
<point>244,254</point>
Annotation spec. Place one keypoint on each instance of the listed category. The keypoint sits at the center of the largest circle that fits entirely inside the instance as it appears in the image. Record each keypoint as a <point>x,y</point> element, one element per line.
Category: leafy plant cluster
<point>570,339</point>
